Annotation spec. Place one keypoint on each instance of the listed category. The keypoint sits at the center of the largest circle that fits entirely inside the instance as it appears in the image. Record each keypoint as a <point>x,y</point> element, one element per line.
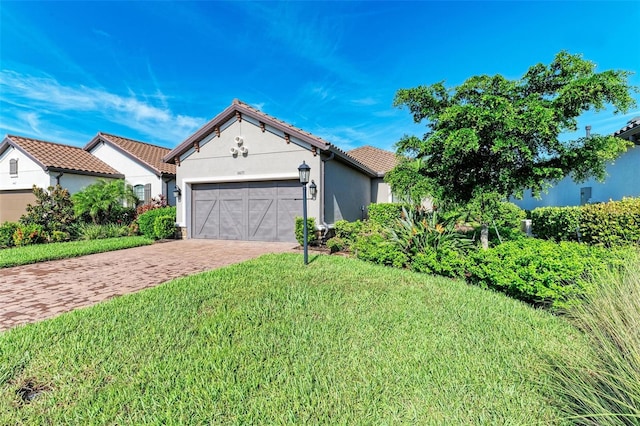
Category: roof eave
<point>84,172</point>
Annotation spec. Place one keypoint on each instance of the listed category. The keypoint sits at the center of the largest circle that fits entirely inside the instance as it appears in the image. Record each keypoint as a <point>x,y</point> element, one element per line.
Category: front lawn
<point>272,342</point>
<point>25,255</point>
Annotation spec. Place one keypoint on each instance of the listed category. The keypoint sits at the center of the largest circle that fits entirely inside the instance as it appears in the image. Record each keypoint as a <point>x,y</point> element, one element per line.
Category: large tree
<point>495,135</point>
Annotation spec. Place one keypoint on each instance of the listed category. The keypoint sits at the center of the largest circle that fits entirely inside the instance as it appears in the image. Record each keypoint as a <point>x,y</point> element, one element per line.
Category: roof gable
<point>376,159</point>
<point>145,153</point>
<point>59,157</point>
<point>240,110</point>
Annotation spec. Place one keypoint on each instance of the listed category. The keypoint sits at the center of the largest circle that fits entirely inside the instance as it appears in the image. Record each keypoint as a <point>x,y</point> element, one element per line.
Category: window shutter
<point>13,166</point>
<point>147,193</point>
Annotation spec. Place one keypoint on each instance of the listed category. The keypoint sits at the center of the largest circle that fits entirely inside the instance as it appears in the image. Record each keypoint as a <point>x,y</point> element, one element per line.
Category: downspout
<point>58,178</point>
<point>322,204</point>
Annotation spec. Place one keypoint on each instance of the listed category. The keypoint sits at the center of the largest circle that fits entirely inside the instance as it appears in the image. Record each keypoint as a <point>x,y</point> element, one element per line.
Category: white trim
<point>242,178</point>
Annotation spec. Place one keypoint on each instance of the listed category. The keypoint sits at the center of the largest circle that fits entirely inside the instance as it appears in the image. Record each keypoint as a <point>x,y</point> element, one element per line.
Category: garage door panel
<point>206,219</point>
<point>232,219</point>
<point>262,219</point>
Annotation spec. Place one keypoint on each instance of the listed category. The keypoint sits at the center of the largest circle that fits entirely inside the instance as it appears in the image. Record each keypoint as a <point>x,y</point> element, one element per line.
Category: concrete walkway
<point>43,290</point>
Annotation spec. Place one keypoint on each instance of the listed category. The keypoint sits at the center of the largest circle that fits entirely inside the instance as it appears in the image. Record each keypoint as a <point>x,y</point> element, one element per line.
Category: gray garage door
<point>257,211</point>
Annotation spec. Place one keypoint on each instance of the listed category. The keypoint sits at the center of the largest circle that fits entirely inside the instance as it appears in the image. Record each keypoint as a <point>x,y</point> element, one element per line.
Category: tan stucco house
<point>238,178</point>
<point>25,162</point>
<point>140,163</point>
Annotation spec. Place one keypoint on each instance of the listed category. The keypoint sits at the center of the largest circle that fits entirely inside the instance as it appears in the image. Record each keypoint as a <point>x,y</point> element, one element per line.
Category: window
<point>13,167</point>
<point>138,190</point>
<point>143,193</point>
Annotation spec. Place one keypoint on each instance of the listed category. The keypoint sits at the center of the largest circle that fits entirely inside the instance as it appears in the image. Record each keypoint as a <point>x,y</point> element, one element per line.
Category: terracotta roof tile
<point>52,155</point>
<point>149,154</point>
<point>374,158</point>
<point>633,124</point>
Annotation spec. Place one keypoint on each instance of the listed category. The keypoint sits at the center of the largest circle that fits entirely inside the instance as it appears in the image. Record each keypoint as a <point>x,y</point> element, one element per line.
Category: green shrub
<point>299,230</point>
<point>52,210</point>
<point>146,220</point>
<point>611,224</point>
<point>7,230</point>
<point>542,272</point>
<point>164,227</point>
<point>385,214</point>
<point>59,236</point>
<point>336,244</point>
<point>601,386</point>
<point>377,248</point>
<point>90,231</point>
<point>445,262</point>
<point>348,231</point>
<point>29,234</point>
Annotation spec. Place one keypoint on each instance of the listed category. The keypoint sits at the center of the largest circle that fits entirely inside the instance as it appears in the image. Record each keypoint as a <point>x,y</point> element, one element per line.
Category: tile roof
<point>55,156</point>
<point>148,154</point>
<point>375,158</point>
<point>630,131</point>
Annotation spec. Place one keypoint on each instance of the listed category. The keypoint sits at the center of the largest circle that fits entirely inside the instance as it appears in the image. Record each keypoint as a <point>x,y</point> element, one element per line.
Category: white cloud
<point>46,93</point>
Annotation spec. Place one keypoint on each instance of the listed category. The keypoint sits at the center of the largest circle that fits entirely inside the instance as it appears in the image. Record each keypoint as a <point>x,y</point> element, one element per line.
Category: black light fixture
<point>304,171</point>
<point>313,190</point>
<point>177,192</point>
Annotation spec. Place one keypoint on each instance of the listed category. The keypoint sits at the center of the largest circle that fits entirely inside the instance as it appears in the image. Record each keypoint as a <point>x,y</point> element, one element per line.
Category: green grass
<point>272,342</point>
<point>41,252</point>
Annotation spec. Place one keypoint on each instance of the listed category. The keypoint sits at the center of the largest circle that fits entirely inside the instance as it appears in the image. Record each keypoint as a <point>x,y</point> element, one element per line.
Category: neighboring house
<point>140,163</point>
<point>238,177</point>
<point>623,179</point>
<point>26,162</point>
<point>381,161</point>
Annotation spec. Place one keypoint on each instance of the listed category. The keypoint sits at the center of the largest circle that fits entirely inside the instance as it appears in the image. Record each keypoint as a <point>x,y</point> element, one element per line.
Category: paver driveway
<point>33,292</point>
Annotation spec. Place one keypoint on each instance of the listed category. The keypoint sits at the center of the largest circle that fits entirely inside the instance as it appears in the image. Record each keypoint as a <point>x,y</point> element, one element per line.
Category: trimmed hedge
<point>164,227</point>
<point>543,272</point>
<point>609,224</point>
<point>147,220</point>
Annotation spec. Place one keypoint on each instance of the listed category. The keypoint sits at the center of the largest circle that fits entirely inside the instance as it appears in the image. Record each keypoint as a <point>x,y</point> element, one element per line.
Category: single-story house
<point>25,162</point>
<point>238,178</point>
<point>623,177</point>
<point>140,163</point>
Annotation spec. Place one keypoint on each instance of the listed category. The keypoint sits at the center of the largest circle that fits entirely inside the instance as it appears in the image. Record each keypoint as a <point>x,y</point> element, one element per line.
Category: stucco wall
<point>134,172</point>
<point>346,192</point>
<point>72,182</point>
<point>623,181</point>
<point>380,191</point>
<point>269,158</point>
<point>29,173</point>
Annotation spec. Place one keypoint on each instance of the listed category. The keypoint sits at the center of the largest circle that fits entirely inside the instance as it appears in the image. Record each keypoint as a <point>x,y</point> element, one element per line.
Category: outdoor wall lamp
<point>313,190</point>
<point>304,171</point>
<point>177,192</point>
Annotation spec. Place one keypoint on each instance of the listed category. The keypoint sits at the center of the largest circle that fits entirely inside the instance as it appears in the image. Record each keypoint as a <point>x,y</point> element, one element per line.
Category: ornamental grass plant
<point>602,385</point>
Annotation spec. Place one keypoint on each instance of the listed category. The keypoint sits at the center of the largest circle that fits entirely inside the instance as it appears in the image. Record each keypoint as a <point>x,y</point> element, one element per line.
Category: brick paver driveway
<point>43,290</point>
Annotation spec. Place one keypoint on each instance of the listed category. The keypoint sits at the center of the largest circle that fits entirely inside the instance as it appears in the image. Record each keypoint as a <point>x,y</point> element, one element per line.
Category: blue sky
<point>157,71</point>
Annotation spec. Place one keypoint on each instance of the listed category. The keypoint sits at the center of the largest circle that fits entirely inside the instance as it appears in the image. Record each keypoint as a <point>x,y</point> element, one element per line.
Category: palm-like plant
<point>98,199</point>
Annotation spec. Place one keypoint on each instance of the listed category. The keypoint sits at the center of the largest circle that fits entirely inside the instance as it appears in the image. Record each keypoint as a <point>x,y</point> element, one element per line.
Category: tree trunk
<point>484,236</point>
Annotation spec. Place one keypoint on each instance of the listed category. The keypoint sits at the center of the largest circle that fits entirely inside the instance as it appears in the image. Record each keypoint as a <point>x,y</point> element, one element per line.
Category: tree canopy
<point>492,134</point>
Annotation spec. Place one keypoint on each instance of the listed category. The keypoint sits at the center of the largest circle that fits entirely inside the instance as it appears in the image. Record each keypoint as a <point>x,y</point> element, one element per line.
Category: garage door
<point>257,211</point>
<point>13,204</point>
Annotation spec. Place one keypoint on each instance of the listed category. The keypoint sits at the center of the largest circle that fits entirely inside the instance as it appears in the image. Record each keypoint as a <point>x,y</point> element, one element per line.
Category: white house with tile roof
<point>25,162</point>
<point>238,177</point>
<point>623,179</point>
<point>140,162</point>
